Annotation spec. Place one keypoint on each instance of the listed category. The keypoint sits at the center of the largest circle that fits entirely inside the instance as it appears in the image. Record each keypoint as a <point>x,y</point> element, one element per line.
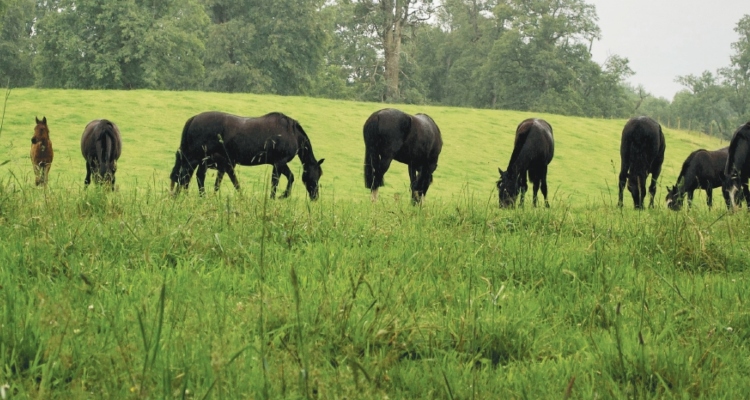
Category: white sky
<point>667,38</point>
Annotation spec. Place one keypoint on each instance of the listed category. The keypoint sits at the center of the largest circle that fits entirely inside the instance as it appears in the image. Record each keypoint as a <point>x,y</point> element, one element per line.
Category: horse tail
<point>105,146</point>
<point>371,131</point>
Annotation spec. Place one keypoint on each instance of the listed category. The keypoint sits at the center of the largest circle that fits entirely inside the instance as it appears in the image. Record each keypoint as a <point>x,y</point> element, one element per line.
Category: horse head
<point>507,188</point>
<point>41,131</point>
<point>311,173</point>
<point>637,188</point>
<point>181,173</point>
<point>674,198</point>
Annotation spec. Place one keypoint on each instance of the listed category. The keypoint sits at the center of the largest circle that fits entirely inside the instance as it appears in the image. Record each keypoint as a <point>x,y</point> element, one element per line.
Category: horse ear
<point>44,120</point>
<point>37,119</point>
<point>321,161</point>
<point>499,170</point>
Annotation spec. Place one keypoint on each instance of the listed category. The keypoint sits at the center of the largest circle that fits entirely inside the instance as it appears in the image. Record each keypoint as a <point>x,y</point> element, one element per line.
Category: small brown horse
<point>41,151</point>
<point>101,147</point>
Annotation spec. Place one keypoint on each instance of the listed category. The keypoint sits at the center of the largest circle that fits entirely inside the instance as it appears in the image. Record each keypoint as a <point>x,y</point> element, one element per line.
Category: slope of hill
<point>476,141</point>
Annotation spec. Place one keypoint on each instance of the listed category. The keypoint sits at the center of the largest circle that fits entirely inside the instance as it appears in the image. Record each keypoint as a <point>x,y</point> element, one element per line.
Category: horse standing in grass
<point>41,151</point>
<point>221,141</point>
<point>101,146</point>
<point>641,153</point>
<point>414,140</point>
<point>703,169</point>
<point>533,150</point>
<point>737,168</point>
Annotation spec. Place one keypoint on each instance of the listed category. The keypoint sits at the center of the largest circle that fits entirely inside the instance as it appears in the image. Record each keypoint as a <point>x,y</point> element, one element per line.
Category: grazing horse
<point>641,153</point>
<point>533,150</point>
<point>737,169</point>
<point>221,141</point>
<point>414,140</point>
<point>703,169</point>
<point>101,146</point>
<point>41,151</point>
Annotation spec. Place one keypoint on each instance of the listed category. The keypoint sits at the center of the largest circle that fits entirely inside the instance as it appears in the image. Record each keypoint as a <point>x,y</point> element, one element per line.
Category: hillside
<point>476,142</point>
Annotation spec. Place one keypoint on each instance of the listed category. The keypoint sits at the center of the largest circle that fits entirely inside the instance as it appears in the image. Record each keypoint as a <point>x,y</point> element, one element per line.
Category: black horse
<point>737,169</point>
<point>641,153</point>
<point>101,146</point>
<point>533,150</point>
<point>221,141</point>
<point>703,169</point>
<point>411,139</point>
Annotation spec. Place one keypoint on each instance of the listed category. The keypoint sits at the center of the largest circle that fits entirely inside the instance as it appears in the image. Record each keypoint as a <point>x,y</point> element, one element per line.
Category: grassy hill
<point>139,294</point>
<point>476,142</point>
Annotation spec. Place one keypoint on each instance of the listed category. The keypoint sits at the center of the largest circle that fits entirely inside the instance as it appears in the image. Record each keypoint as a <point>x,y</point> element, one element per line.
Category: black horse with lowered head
<point>101,146</point>
<point>703,169</point>
<point>533,150</point>
<point>641,153</point>
<point>221,141</point>
<point>414,140</point>
<point>737,168</point>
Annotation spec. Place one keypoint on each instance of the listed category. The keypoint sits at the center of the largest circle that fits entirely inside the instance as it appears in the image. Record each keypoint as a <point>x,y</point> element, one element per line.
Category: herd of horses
<point>221,141</point>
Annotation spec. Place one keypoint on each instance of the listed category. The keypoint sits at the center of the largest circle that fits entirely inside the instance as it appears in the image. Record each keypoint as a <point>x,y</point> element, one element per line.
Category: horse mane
<point>742,133</point>
<point>688,161</point>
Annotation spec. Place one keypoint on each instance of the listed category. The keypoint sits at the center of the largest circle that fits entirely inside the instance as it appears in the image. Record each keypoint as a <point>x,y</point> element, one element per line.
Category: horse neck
<point>305,152</point>
<point>519,165</point>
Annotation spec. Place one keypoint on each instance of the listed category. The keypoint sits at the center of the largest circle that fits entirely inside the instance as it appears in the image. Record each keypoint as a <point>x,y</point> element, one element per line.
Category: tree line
<point>505,54</point>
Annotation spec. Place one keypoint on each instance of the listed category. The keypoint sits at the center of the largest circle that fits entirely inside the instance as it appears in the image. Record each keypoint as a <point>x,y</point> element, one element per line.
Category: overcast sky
<point>666,38</point>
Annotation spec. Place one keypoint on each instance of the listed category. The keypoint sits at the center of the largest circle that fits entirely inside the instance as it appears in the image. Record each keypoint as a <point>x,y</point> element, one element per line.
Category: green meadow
<point>139,294</point>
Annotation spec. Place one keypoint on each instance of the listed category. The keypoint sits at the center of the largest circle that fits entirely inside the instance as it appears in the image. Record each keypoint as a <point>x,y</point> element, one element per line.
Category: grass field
<point>136,294</point>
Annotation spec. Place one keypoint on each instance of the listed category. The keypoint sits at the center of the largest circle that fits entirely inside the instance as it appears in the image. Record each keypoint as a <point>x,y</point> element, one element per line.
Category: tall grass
<point>138,294</point>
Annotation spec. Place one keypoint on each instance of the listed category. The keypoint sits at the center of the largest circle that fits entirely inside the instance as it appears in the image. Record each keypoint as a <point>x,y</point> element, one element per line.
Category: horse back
<point>242,140</point>
<point>101,135</point>
<point>534,143</point>
<point>642,143</point>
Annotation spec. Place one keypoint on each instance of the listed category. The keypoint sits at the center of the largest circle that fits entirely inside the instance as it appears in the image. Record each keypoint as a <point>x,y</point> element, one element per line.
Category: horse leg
<point>200,176</point>
<point>523,187</point>
<point>219,178</point>
<point>232,176</point>
<point>87,181</point>
<point>654,178</point>
<point>284,170</point>
<point>622,179</point>
<point>690,199</point>
<point>39,173</point>
<point>414,176</point>
<point>544,186</point>
<point>709,196</point>
<point>535,185</point>
<point>380,169</point>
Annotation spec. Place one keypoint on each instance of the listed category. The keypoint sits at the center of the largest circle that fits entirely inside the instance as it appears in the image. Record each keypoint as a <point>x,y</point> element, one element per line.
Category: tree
<point>16,47</point>
<point>388,21</point>
<point>263,46</point>
<point>704,105</point>
<point>737,75</point>
<point>120,44</point>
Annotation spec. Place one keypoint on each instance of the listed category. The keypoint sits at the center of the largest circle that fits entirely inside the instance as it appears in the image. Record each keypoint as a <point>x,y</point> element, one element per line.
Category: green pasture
<point>477,142</point>
<point>136,294</point>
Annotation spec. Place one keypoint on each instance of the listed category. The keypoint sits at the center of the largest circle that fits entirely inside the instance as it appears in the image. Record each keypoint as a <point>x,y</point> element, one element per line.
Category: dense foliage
<point>510,54</point>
